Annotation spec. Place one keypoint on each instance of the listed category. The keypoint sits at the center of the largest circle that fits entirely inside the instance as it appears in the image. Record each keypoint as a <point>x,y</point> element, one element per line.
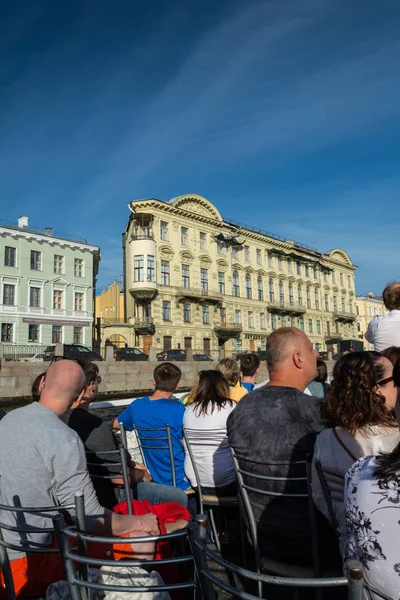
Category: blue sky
<point>283,113</point>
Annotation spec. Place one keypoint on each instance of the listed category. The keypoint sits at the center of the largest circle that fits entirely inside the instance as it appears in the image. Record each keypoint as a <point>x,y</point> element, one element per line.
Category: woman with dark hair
<point>359,411</point>
<point>35,391</point>
<point>319,388</point>
<point>205,425</point>
<point>392,353</point>
<point>372,501</point>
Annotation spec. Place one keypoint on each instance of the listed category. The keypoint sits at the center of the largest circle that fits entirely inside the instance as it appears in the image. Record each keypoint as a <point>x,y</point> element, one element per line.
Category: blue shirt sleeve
<point>126,418</point>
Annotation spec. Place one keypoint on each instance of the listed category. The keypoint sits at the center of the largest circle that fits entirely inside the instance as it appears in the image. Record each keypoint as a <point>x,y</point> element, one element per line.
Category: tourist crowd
<point>348,429</point>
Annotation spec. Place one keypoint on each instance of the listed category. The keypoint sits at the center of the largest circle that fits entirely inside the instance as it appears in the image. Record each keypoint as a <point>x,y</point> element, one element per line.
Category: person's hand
<point>140,467</point>
<point>146,475</point>
<point>148,523</point>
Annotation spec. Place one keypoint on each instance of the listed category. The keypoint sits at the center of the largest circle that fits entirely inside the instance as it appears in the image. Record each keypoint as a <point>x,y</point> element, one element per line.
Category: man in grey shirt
<point>43,464</point>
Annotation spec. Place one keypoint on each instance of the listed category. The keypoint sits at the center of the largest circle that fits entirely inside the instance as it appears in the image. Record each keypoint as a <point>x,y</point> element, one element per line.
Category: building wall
<point>283,265</point>
<point>110,303</point>
<point>368,307</point>
<point>20,314</point>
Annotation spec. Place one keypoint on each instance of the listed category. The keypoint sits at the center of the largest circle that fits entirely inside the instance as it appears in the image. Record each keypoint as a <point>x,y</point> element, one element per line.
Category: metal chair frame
<point>168,445</point>
<point>211,501</point>
<point>197,537</point>
<point>244,488</point>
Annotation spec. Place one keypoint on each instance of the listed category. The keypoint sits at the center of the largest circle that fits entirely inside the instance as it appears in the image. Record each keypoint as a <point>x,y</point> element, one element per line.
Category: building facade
<point>47,287</point>
<point>368,307</point>
<point>194,280</point>
<point>111,324</point>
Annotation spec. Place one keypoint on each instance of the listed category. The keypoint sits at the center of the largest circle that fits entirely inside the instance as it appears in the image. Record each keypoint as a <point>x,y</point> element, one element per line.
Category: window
<point>58,264</point>
<point>78,301</point>
<point>164,272</point>
<point>260,291</point>
<point>36,260</point>
<point>151,268</point>
<point>235,251</point>
<point>262,320</point>
<point>298,268</point>
<point>301,323</point>
<point>325,276</point>
<point>300,295</point>
<point>235,280</point>
<point>351,307</point>
<point>326,302</point>
<point>238,317</point>
<point>167,342</point>
<point>204,280</point>
<point>335,303</point>
<point>279,262</point>
<point>258,256</point>
<point>248,285</point>
<point>333,277</point>
<point>281,293</point>
<point>57,299</point>
<point>358,310</point>
<point>271,289</point>
<point>307,271</point>
<point>238,344</point>
<point>166,310</point>
<point>247,253</point>
<point>203,241</point>
<point>78,335</point>
<point>56,334</point>
<point>359,327</point>
<point>33,333</point>
<point>10,256</point>
<point>184,236</point>
<point>205,315</point>
<point>220,247</point>
<point>186,313</point>
<point>164,231</point>
<point>343,305</point>
<point>221,283</point>
<point>310,326</point>
<point>78,267</point>
<point>6,332</point>
<point>269,259</point>
<point>250,319</point>
<point>341,278</point>
<point>139,268</point>
<point>349,281</point>
<point>273,322</point>
<point>222,315</point>
<point>318,326</point>
<point>292,321</point>
<point>9,294</point>
<point>291,299</point>
<point>289,265</point>
<point>308,297</point>
<point>34,296</point>
<point>185,276</point>
<point>207,346</point>
<point>315,272</point>
<point>316,299</point>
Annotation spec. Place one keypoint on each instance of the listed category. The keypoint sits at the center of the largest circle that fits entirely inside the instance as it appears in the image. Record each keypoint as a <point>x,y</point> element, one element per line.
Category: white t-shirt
<point>384,331</point>
<point>209,443</point>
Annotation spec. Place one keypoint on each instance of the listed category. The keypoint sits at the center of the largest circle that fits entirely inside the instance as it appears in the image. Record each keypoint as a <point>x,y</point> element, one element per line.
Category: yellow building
<point>111,325</point>
<point>195,280</point>
<point>368,307</point>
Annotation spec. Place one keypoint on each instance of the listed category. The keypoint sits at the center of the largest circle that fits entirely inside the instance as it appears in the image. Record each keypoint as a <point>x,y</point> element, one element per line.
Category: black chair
<point>209,501</point>
<point>209,580</point>
<point>23,529</point>
<point>146,444</point>
<point>333,489</point>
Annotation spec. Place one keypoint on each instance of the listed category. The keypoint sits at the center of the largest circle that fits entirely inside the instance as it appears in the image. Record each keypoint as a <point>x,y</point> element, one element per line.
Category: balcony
<point>286,308</point>
<point>113,322</point>
<point>346,317</point>
<point>201,295</point>
<point>143,291</point>
<point>333,338</point>
<point>145,326</point>
<point>226,330</point>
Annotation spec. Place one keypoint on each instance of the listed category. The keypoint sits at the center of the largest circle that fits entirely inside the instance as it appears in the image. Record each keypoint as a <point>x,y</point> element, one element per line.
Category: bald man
<point>275,424</point>
<point>43,464</point>
<point>384,331</point>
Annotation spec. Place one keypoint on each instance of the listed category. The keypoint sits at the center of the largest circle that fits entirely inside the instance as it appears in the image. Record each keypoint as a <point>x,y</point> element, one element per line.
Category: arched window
<point>290,293</point>
<point>248,285</point>
<point>281,293</point>
<point>300,294</point>
<point>271,289</point>
<point>260,288</point>
<point>235,280</point>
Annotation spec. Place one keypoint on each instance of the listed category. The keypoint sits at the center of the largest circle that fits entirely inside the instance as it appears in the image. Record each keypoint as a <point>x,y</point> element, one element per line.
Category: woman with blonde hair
<point>230,370</point>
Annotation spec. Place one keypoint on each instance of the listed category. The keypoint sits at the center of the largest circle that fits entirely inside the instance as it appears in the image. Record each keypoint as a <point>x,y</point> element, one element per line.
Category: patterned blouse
<point>373,526</point>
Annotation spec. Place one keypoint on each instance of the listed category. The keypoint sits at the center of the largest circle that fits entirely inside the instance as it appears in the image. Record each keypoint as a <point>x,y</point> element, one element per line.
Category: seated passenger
<point>249,365</point>
<point>97,437</point>
<point>358,408</point>
<point>230,370</point>
<point>319,388</point>
<point>372,502</point>
<point>392,353</point>
<point>43,464</point>
<point>154,412</point>
<point>205,425</point>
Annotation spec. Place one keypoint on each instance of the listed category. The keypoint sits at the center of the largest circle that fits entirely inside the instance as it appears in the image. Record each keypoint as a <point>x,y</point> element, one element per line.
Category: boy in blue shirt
<point>249,365</point>
<point>156,411</point>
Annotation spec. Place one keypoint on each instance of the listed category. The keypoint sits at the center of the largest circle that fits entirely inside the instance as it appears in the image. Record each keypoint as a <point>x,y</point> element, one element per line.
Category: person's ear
<point>298,361</point>
<point>178,385</point>
<point>153,383</point>
<point>79,398</point>
<point>42,383</point>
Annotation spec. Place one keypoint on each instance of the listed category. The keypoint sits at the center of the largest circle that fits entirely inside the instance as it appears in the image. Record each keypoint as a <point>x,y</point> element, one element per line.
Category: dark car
<point>73,351</point>
<point>171,355</point>
<point>129,354</point>
<point>201,357</point>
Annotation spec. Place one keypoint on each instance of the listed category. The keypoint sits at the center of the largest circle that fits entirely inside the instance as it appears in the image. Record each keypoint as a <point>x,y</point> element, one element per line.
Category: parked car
<point>171,355</point>
<point>73,351</point>
<point>129,354</point>
<point>201,357</point>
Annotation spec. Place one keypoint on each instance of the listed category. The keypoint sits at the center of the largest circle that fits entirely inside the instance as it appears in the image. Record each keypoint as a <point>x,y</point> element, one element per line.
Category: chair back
<point>156,439</point>
<point>80,582</point>
<point>333,489</point>
<point>251,497</point>
<point>205,559</point>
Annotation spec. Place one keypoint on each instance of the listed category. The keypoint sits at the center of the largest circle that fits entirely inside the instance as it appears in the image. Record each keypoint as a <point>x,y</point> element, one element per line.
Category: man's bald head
<point>281,345</point>
<point>391,296</point>
<point>63,385</point>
